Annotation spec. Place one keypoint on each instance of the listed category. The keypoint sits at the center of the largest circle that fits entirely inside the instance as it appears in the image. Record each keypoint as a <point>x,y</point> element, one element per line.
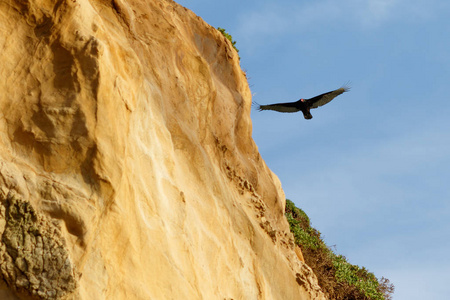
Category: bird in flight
<point>304,105</point>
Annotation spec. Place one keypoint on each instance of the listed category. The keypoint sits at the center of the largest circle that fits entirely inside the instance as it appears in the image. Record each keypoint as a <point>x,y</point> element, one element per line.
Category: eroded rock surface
<point>127,162</point>
<point>33,256</point>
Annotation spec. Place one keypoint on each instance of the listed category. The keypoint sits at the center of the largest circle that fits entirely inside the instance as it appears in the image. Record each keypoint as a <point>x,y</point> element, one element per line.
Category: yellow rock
<point>127,166</point>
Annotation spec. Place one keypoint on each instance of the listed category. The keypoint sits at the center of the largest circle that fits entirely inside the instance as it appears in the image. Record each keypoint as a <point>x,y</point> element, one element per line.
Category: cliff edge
<point>127,166</point>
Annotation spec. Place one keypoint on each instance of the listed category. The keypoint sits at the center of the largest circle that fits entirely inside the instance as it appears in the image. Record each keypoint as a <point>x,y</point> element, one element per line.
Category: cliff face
<point>127,167</point>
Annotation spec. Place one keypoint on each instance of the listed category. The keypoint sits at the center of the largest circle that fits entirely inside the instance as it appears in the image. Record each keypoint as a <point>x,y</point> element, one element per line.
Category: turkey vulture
<point>304,105</point>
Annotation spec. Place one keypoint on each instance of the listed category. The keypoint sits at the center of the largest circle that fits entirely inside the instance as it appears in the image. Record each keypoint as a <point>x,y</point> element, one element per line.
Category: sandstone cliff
<point>127,167</point>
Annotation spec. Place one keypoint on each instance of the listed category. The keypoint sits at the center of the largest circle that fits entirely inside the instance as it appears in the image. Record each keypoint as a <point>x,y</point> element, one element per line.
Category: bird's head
<point>303,100</point>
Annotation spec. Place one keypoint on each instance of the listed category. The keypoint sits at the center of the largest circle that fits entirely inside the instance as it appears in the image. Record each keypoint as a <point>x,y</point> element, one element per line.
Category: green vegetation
<point>338,278</point>
<point>229,37</point>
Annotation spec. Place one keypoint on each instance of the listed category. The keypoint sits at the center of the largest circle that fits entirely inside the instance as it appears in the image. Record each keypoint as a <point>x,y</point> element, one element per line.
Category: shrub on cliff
<point>337,277</point>
<point>228,37</point>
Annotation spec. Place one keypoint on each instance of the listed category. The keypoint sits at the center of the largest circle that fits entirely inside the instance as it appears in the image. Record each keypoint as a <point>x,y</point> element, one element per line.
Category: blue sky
<point>372,168</point>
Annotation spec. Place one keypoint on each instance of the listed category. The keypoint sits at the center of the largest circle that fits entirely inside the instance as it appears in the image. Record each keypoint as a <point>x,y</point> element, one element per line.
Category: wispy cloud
<point>273,19</point>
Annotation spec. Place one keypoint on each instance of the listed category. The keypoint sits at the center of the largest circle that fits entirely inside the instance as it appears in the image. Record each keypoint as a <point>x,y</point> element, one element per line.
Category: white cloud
<point>376,12</point>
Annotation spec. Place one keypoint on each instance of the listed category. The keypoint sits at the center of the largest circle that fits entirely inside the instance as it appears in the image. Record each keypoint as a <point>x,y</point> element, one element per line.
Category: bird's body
<point>304,105</point>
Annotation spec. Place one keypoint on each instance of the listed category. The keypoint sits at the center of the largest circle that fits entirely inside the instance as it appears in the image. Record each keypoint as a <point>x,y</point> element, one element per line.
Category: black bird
<point>304,105</point>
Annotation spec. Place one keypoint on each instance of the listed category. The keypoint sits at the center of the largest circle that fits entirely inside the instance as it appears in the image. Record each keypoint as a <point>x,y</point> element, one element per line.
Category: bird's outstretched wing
<point>288,107</point>
<point>324,98</point>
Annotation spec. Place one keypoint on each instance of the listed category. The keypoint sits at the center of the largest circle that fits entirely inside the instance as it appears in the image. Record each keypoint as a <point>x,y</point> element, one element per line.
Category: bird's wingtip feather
<point>346,86</point>
<point>257,106</point>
